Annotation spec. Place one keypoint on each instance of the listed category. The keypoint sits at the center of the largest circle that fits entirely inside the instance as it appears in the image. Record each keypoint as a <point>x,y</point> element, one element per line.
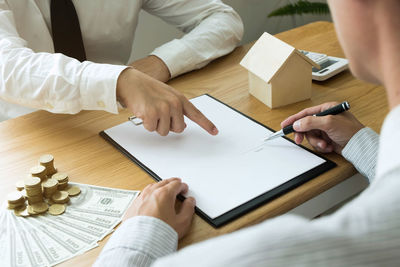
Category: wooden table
<point>87,158</point>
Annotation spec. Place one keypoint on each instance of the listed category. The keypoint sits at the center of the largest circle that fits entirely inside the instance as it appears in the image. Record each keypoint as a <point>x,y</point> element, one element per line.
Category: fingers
<point>164,122</point>
<point>187,208</point>
<point>195,115</point>
<point>309,123</point>
<point>319,143</point>
<point>307,112</point>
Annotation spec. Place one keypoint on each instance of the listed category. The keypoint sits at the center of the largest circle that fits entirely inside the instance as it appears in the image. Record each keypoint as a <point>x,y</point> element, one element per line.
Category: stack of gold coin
<point>15,200</point>
<point>39,171</point>
<point>20,185</point>
<point>49,187</point>
<point>62,179</point>
<point>33,190</point>
<point>47,161</point>
<point>60,197</point>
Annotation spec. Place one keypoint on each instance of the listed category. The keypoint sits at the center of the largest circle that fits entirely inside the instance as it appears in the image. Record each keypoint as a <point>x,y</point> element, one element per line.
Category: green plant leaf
<point>299,8</point>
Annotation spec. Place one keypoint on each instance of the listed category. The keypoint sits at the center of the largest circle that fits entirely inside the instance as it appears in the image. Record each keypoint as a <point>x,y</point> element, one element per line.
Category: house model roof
<point>268,55</point>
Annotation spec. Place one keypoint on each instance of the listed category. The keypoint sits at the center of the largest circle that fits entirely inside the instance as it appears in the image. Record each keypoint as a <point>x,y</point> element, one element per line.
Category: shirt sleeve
<point>138,242</point>
<point>212,29</point>
<point>52,82</point>
<point>362,151</point>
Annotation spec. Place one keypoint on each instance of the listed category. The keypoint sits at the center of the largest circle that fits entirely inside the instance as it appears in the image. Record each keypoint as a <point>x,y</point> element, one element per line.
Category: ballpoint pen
<point>330,111</point>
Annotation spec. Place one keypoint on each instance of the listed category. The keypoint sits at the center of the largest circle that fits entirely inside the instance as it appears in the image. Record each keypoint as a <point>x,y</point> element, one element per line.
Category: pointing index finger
<point>196,116</point>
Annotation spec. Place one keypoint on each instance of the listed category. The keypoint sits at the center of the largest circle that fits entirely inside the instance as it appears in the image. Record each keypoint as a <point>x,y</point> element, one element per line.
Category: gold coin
<point>73,191</point>
<point>20,185</point>
<point>49,183</point>
<point>32,181</point>
<point>37,170</point>
<point>56,209</point>
<point>60,177</point>
<point>15,197</point>
<point>39,207</point>
<point>22,212</point>
<point>31,211</point>
<point>59,196</point>
<point>46,159</point>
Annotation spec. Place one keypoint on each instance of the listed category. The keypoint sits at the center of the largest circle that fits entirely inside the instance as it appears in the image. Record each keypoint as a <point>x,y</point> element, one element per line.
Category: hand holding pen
<point>325,133</point>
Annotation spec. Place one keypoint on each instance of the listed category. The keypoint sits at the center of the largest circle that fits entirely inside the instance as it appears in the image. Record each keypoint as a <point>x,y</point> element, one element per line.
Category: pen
<point>330,111</point>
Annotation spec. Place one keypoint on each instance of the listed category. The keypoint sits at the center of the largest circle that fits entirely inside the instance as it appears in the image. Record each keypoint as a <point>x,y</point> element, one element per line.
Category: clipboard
<point>323,164</point>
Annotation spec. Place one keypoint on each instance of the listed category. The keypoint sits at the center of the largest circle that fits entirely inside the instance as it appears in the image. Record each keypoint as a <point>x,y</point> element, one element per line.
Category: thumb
<point>187,208</point>
<point>323,123</point>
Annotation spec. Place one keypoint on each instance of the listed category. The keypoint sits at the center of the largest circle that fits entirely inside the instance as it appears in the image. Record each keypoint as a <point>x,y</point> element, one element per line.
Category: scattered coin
<point>31,211</point>
<point>21,212</point>
<point>40,207</point>
<point>56,209</point>
<point>60,197</point>
<point>73,191</point>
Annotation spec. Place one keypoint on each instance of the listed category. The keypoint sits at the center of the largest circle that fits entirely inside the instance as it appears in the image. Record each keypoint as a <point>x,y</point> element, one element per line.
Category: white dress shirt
<point>365,232</point>
<point>33,77</point>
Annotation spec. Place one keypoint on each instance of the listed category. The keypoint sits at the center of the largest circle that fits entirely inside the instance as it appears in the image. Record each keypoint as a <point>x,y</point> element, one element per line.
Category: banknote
<point>94,219</point>
<point>47,240</point>
<point>102,201</point>
<point>71,238</point>
<point>18,253</point>
<point>35,253</point>
<point>96,231</point>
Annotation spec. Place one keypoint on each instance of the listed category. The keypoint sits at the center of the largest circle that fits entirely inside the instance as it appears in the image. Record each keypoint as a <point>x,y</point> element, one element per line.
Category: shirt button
<point>101,104</point>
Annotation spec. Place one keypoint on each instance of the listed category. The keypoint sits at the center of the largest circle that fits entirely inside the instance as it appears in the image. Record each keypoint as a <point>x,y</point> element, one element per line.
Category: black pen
<point>330,111</point>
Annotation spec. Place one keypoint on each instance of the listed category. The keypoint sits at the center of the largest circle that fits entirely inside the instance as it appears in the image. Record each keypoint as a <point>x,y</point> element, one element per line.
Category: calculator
<point>330,66</point>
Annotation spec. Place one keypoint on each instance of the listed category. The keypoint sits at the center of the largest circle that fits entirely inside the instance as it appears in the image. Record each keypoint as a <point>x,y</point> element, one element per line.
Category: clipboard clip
<point>135,120</point>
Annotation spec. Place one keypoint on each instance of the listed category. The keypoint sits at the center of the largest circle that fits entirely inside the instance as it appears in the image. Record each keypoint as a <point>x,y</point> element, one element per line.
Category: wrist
<point>154,67</point>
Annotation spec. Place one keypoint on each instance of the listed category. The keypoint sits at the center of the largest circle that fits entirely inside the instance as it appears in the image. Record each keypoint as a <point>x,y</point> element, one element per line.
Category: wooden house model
<point>279,74</point>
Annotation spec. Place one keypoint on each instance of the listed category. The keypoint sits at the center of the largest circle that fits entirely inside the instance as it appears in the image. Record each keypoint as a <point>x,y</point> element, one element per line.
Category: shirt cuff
<point>388,158</point>
<point>149,235</point>
<point>176,56</point>
<point>98,86</point>
<point>362,151</point>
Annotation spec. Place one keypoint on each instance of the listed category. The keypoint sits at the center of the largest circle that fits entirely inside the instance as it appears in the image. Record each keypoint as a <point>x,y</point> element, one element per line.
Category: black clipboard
<point>251,204</point>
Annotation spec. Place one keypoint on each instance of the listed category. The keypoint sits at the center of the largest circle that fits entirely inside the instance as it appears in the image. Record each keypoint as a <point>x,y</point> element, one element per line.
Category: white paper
<point>222,171</point>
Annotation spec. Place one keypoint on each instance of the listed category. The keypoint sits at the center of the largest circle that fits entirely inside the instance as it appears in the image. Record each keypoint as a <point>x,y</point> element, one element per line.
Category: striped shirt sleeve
<point>362,151</point>
<point>139,241</point>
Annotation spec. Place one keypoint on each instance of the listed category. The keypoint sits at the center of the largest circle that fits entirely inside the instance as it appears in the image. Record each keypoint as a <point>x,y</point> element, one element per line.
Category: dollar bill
<point>85,227</point>
<point>18,254</point>
<point>54,249</point>
<point>95,219</point>
<point>102,201</point>
<point>4,247</point>
<point>35,253</point>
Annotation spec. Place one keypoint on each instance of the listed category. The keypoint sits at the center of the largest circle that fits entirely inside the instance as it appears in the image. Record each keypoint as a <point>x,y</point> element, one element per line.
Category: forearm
<point>152,66</point>
<point>212,29</point>
<point>139,241</point>
<point>53,82</point>
<point>362,151</point>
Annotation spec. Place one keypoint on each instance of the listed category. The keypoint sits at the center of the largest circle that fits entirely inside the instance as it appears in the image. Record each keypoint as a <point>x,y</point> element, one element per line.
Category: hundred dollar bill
<point>18,255</point>
<point>88,228</point>
<point>4,247</point>
<point>34,252</point>
<point>62,236</point>
<point>54,250</point>
<point>94,219</point>
<point>102,201</point>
